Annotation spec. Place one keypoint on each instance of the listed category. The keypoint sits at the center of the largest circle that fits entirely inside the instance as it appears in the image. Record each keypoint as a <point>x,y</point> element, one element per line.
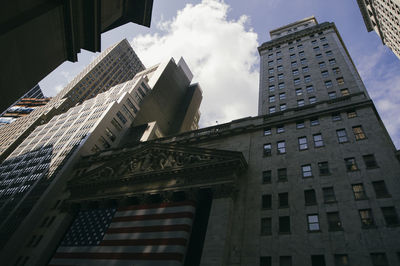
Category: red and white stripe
<point>145,235</point>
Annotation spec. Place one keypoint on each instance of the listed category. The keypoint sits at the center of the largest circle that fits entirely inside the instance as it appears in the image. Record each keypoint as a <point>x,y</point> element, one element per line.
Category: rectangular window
<point>283,200</point>
<point>295,72</point>
<point>314,121</point>
<point>325,46</point>
<point>328,84</point>
<point>359,192</point>
<point>271,88</point>
<point>300,102</point>
<point>296,81</point>
<point>390,215</point>
<point>266,226</point>
<point>323,39</point>
<point>380,189</point>
<point>281,147</point>
<point>345,92</point>
<point>285,261</point>
<point>359,133</point>
<point>270,56</point>
<point>370,161</point>
<point>270,63</point>
<point>282,174</point>
<point>109,134</point>
<point>279,53</point>
<point>310,89</point>
<point>332,61</point>
<point>336,70</point>
<point>342,135</point>
<point>280,129</point>
<point>313,222</point>
<point>324,73</point>
<point>307,79</point>
<point>309,197</point>
<point>305,69</point>
<point>379,259</point>
<point>271,79</point>
<point>281,85</point>
<point>267,177</point>
<point>329,53</point>
<point>351,114</point>
<point>282,96</point>
<point>351,164</point>
<point>267,149</point>
<point>282,107</point>
<point>116,124</point>
<point>334,223</point>
<point>272,109</point>
<point>265,261</point>
<point>306,170</point>
<point>329,195</point>
<point>294,64</point>
<point>318,260</point>
<point>299,92</point>
<point>336,117</point>
<point>301,53</point>
<point>323,168</point>
<point>284,224</point>
<point>367,220</point>
<point>121,117</point>
<point>314,42</point>
<point>280,76</point>
<point>267,131</point>
<point>341,260</point>
<point>291,49</point>
<point>299,46</point>
<point>266,201</point>
<point>279,68</point>
<point>312,99</point>
<point>292,56</point>
<point>303,61</point>
<point>303,145</point>
<point>321,64</point>
<point>271,71</point>
<point>318,141</point>
<point>300,124</point>
<point>332,95</point>
<point>340,81</point>
<point>271,98</point>
<point>316,49</point>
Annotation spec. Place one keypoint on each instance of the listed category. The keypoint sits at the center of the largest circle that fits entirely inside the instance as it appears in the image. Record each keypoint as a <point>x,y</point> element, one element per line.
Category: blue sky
<point>219,40</point>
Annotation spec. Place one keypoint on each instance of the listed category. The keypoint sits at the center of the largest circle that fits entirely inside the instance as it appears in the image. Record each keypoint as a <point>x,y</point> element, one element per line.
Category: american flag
<point>145,235</point>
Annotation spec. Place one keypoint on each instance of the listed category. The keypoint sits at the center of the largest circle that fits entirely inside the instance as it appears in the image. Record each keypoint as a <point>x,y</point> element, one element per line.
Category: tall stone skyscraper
<point>383,17</point>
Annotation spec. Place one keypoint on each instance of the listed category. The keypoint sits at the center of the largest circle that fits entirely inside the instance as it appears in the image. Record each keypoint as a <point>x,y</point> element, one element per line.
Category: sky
<point>219,39</point>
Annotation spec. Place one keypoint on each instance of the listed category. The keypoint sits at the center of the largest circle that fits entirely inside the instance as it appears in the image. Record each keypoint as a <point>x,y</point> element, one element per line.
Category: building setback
<point>383,17</point>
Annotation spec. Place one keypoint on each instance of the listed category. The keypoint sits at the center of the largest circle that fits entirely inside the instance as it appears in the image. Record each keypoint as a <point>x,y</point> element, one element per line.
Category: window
<point>292,56</point>
<point>295,72</point>
<point>281,85</point>
<point>299,92</point>
<point>310,89</point>
<point>390,215</point>
<point>284,224</point>
<point>300,124</point>
<point>314,42</point>
<point>121,117</point>
<point>266,177</point>
<point>265,261</point>
<point>340,81</point>
<point>342,135</point>
<point>324,73</point>
<point>301,53</point>
<point>307,79</point>
<point>316,49</point>
<point>279,53</point>
<point>271,79</point>
<point>299,46</point>
<point>323,39</point>
<point>282,174</point>
<point>291,49</point>
<point>380,189</point>
<point>280,76</point>
<point>303,61</point>
<point>314,121</point>
<point>321,64</point>
<point>318,260</point>
<point>359,133</point>
<point>318,141</point>
<point>110,135</point>
<point>329,53</point>
<point>271,88</point>
<point>313,222</point>
<point>323,168</point>
<point>266,226</point>
<point>294,64</point>
<point>351,114</point>
<point>279,68</point>
<point>370,161</point>
<point>280,129</point>
<point>272,109</point>
<point>267,149</point>
<point>332,61</point>
<point>296,81</point>
<point>325,46</point>
<point>336,117</point>
<point>266,201</point>
<point>366,218</point>
<point>279,60</point>
<point>305,69</point>
<point>328,84</point>
<point>285,261</point>
<point>267,131</point>
<point>345,92</point>
<point>351,164</point>
<point>336,70</point>
<point>329,195</point>
<point>270,63</point>
<point>116,124</point>
<point>309,197</point>
<point>306,170</point>
<point>283,200</point>
<point>300,102</point>
<point>281,145</point>
<point>271,98</point>
<point>312,100</point>
<point>332,95</point>
<point>282,96</point>
<point>270,56</point>
<point>379,259</point>
<point>334,223</point>
<point>271,71</point>
<point>303,143</point>
<point>341,260</point>
<point>359,192</point>
<point>282,107</point>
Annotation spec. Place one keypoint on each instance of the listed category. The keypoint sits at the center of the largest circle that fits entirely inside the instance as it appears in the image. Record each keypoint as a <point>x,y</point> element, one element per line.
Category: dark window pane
<point>379,259</point>
<point>266,226</point>
<point>370,161</point>
<point>323,168</point>
<point>310,197</point>
<point>285,261</point>
<point>390,215</point>
<point>282,174</point>
<point>366,218</point>
<point>380,189</point>
<point>283,200</point>
<point>266,177</point>
<point>284,224</point>
<point>329,194</point>
<point>265,261</point>
<point>341,260</point>
<point>266,201</point>
<point>334,223</point>
<point>318,260</point>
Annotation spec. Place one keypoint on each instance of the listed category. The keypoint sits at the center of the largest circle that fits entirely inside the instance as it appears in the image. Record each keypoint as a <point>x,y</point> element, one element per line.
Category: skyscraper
<point>384,18</point>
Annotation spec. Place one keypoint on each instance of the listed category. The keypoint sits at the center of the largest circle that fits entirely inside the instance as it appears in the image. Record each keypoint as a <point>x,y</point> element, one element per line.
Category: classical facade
<point>383,17</point>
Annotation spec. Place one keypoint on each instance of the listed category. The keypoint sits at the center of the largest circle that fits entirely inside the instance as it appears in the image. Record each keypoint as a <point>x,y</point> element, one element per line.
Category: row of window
<point>300,46</point>
<point>317,139</point>
<point>322,39</point>
<point>303,61</point>
<point>334,222</point>
<point>377,259</point>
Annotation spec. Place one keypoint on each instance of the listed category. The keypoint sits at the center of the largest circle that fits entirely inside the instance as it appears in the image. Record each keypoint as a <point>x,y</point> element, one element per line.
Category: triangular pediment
<point>154,159</point>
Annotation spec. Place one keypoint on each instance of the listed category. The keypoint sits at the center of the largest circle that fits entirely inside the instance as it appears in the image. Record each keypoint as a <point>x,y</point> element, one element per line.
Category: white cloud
<point>221,53</point>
